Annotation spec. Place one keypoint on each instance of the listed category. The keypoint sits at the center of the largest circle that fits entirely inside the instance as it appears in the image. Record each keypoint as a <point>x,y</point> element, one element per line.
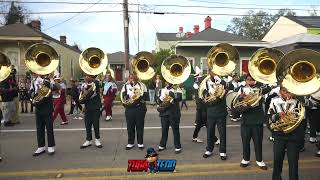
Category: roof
<point>117,57</point>
<point>168,37</point>
<point>298,38</point>
<point>208,34</point>
<point>306,21</point>
<point>22,30</point>
<point>211,34</point>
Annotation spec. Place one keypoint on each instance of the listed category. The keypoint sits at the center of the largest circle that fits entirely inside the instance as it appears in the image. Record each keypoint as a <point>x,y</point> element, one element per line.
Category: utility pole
<point>138,27</point>
<point>126,36</point>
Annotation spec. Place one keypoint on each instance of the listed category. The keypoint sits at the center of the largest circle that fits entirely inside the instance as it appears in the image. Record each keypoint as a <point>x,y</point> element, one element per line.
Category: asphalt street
<point>70,162</point>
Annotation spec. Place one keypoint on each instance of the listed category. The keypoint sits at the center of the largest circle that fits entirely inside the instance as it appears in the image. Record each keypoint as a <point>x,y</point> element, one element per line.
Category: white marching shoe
<point>51,150</point>
<point>108,118</point>
<point>86,144</point>
<point>98,143</point>
<point>39,151</point>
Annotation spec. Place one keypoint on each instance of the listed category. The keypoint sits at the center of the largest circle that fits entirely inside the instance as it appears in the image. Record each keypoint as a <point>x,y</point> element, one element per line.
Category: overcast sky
<point>105,30</point>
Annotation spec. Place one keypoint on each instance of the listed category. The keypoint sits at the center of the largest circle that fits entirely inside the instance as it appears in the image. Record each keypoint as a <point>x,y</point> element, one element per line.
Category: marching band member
<point>0,128</point>
<point>109,93</point>
<point>170,115</point>
<point>289,142</point>
<point>273,93</point>
<point>44,110</point>
<point>92,112</point>
<point>216,115</point>
<point>201,111</point>
<point>59,100</point>
<point>135,113</point>
<point>252,124</point>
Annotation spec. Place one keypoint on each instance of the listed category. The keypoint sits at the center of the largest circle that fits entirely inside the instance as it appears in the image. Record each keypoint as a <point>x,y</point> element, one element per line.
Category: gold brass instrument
<point>222,60</point>
<point>92,61</point>
<point>175,69</point>
<point>289,121</point>
<point>143,65</point>
<point>298,71</point>
<point>41,59</point>
<point>5,67</point>
<point>262,67</point>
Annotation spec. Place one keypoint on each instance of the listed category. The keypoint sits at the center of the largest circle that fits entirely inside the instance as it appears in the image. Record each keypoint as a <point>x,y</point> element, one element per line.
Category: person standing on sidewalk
<point>109,94</point>
<point>59,100</point>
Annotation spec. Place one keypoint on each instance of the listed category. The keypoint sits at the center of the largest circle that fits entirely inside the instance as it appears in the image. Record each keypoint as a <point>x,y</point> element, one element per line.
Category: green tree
<point>160,56</point>
<point>256,25</point>
<point>16,14</point>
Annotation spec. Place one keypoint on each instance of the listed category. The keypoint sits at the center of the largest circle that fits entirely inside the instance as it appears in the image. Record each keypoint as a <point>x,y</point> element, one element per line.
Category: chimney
<point>207,22</point>
<point>36,24</point>
<point>63,39</point>
<point>180,29</point>
<point>196,29</point>
<point>189,34</point>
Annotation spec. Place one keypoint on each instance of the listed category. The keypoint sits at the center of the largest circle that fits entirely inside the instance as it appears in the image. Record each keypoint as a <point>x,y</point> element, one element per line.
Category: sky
<point>105,30</point>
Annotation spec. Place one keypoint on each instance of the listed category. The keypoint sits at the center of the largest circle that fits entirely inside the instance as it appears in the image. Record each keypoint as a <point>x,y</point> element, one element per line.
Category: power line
<point>171,5</point>
<point>201,1</point>
<point>143,12</point>
<point>71,17</point>
<point>218,2</point>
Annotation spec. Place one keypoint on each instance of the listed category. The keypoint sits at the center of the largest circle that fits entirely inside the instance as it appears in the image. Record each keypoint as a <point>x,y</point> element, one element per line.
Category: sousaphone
<point>41,59</point>
<point>5,67</point>
<point>222,60</point>
<point>92,61</point>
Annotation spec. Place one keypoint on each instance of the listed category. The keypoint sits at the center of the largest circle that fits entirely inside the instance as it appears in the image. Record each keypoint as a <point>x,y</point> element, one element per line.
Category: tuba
<point>92,61</point>
<point>175,69</point>
<point>143,65</point>
<point>5,69</point>
<point>41,59</point>
<point>299,73</point>
<point>222,60</point>
<point>262,67</point>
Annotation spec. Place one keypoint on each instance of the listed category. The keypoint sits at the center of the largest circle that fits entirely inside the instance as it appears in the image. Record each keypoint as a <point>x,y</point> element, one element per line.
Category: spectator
<point>23,96</point>
<point>184,97</point>
<point>152,90</point>
<point>158,85</point>
<point>109,93</point>
<point>74,93</point>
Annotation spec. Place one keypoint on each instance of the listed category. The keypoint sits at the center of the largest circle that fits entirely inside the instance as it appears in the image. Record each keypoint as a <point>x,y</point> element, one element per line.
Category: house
<point>16,38</point>
<point>168,40</point>
<point>117,64</point>
<point>303,40</point>
<point>287,26</point>
<point>196,45</point>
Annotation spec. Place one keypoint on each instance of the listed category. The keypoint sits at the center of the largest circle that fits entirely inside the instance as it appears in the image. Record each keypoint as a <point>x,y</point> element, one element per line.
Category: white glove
<point>195,86</point>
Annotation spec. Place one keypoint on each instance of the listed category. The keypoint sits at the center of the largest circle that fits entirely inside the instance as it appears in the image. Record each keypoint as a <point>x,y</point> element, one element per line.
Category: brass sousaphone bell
<point>41,59</point>
<point>299,71</point>
<point>5,67</point>
<point>143,65</point>
<point>176,69</point>
<point>92,61</point>
<point>222,60</point>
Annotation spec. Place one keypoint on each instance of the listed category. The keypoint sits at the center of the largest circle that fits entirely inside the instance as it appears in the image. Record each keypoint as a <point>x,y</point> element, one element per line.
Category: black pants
<point>313,116</point>
<point>211,138</point>
<point>254,132</point>
<point>280,144</point>
<point>174,122</point>
<point>184,102</point>
<point>74,105</point>
<point>91,117</point>
<point>44,121</point>
<point>135,122</point>
<point>201,120</point>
